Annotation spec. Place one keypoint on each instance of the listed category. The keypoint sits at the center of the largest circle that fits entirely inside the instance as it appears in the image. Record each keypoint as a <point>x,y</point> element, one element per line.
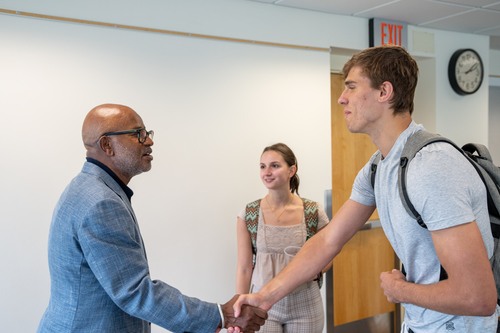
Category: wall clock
<point>465,71</point>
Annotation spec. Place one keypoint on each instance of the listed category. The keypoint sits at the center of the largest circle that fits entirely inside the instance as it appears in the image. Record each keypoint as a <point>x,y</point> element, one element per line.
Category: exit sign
<point>386,32</point>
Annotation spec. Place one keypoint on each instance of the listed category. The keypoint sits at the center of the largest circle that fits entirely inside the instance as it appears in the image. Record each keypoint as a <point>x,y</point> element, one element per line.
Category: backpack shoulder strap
<point>415,142</point>
<point>252,221</point>
<point>312,221</point>
<point>373,167</point>
<point>311,217</point>
<point>477,154</point>
<point>413,145</point>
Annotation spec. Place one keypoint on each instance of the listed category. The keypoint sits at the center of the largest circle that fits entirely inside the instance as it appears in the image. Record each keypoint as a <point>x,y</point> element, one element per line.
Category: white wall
<point>494,124</point>
<point>495,63</point>
<point>494,106</point>
<point>461,118</point>
<point>425,94</point>
<point>214,105</point>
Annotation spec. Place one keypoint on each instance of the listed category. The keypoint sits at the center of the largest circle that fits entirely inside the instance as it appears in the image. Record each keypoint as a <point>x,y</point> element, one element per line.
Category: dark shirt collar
<point>128,191</point>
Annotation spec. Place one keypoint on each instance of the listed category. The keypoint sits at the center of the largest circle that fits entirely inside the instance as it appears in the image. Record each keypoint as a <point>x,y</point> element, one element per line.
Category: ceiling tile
<point>470,22</point>
<point>414,12</point>
<point>495,6</point>
<point>471,3</point>
<point>341,7</point>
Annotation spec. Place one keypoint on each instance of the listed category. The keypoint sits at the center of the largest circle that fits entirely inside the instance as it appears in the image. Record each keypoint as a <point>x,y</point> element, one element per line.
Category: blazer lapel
<point>115,187</point>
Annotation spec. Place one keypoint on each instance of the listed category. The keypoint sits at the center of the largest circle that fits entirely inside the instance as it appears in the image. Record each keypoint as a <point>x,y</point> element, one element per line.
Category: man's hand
<point>256,300</point>
<point>248,320</point>
<point>389,282</point>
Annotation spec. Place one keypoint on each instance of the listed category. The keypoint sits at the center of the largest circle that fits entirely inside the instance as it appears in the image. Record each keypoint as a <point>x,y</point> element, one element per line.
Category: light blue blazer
<point>99,272</point>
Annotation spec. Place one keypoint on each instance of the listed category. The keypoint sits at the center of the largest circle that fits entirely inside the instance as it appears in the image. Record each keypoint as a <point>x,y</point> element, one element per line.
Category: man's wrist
<point>221,316</point>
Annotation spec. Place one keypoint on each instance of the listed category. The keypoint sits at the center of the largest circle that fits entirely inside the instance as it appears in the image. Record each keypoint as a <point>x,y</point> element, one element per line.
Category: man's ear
<point>386,91</point>
<point>105,145</point>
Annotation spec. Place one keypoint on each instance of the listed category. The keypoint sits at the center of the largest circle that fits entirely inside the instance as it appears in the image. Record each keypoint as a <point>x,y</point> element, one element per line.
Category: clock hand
<point>471,69</point>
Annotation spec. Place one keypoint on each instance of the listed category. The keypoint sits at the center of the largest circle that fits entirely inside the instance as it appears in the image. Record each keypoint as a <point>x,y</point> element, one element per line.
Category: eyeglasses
<point>142,134</point>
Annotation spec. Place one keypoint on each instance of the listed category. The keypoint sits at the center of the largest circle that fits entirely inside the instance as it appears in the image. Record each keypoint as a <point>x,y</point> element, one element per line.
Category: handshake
<point>242,317</point>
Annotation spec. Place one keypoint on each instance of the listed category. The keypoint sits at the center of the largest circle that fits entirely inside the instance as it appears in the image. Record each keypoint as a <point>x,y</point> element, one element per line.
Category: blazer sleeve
<point>113,246</point>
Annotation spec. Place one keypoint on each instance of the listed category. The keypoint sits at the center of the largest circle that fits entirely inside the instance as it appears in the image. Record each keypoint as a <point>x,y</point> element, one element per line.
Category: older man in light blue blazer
<point>99,272</point>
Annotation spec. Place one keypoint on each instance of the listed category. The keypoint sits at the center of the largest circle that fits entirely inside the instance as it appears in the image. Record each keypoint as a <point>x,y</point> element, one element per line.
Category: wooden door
<point>350,152</point>
<point>356,270</point>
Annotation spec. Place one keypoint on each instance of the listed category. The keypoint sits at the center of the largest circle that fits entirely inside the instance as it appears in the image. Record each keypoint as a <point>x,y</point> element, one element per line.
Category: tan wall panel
<point>356,276</point>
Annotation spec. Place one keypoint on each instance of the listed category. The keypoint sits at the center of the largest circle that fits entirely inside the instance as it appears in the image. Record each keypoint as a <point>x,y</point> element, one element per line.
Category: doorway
<point>355,301</point>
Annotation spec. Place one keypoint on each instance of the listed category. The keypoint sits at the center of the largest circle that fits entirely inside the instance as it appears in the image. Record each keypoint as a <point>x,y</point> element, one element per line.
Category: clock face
<point>465,71</point>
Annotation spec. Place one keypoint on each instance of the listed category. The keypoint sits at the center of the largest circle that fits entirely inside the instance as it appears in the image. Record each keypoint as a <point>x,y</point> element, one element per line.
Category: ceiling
<point>480,17</point>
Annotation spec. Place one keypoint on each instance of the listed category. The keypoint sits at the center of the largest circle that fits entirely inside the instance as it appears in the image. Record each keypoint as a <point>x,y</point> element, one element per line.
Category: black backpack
<point>479,156</point>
